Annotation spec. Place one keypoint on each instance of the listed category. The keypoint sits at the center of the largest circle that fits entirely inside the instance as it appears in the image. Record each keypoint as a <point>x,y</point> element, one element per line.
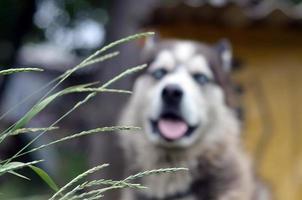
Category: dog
<point>184,103</point>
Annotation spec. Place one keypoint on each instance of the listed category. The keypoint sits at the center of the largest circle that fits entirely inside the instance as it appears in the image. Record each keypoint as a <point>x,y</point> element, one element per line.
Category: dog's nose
<point>172,94</point>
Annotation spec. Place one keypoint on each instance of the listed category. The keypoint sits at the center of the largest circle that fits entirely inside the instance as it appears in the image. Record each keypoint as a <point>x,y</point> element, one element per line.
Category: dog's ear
<point>224,49</point>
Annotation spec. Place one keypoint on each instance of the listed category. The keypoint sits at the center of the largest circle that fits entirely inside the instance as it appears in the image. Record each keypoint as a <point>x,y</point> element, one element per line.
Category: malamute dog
<point>183,102</point>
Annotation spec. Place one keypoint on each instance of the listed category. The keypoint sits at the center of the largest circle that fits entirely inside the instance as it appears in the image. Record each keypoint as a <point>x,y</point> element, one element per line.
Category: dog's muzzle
<point>171,125</point>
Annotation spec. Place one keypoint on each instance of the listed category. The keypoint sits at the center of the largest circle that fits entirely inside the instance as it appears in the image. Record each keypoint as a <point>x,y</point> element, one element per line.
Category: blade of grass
<point>96,197</point>
<point>78,178</point>
<point>153,172</point>
<point>26,99</point>
<point>123,74</point>
<point>86,99</point>
<point>80,90</point>
<point>19,175</point>
<point>103,49</point>
<point>18,70</point>
<point>84,63</point>
<point>12,166</point>
<point>115,184</point>
<point>97,192</point>
<point>83,133</point>
<point>100,182</point>
<point>98,52</point>
<point>30,130</point>
<point>118,42</point>
<point>40,106</point>
<point>74,90</point>
<point>111,182</point>
<point>100,59</point>
<point>59,78</point>
<point>45,177</point>
<point>69,72</point>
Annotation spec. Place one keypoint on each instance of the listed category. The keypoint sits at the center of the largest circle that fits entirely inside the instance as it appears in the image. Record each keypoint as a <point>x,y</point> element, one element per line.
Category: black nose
<point>172,94</point>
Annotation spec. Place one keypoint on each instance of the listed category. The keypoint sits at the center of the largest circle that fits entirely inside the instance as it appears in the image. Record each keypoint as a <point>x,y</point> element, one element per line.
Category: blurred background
<point>57,34</point>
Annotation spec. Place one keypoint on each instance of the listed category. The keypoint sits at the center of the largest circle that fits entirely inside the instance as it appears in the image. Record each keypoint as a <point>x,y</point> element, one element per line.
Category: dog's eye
<point>201,78</point>
<point>159,73</point>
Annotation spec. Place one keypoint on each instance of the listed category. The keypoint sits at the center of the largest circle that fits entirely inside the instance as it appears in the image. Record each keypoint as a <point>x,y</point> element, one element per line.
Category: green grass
<point>78,187</point>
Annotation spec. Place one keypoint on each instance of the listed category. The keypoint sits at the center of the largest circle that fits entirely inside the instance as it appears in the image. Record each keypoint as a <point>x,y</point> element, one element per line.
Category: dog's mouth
<point>172,127</point>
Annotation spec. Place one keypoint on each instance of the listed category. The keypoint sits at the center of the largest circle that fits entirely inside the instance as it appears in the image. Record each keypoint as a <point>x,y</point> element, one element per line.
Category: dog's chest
<point>205,180</point>
<point>168,185</point>
<point>179,187</point>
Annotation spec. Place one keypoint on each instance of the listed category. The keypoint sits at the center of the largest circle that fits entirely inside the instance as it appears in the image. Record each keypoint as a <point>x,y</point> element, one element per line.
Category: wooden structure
<point>270,49</point>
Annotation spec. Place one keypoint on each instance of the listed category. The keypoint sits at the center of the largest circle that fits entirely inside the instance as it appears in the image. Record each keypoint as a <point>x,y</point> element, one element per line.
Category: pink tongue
<point>172,129</point>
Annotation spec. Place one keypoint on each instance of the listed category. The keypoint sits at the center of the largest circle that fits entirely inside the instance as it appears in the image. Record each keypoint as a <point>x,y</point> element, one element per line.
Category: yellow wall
<point>273,128</point>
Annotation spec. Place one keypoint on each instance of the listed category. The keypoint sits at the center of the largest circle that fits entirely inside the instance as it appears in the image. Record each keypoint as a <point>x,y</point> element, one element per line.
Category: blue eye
<point>159,73</point>
<point>201,78</point>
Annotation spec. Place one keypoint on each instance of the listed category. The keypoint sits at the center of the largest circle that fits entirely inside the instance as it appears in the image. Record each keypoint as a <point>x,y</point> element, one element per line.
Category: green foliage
<point>42,104</point>
<point>71,189</point>
<point>106,185</point>
<point>45,177</point>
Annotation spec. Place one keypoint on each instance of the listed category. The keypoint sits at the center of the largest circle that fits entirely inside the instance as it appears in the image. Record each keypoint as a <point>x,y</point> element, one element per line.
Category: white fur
<point>200,64</point>
<point>164,59</point>
<point>183,51</point>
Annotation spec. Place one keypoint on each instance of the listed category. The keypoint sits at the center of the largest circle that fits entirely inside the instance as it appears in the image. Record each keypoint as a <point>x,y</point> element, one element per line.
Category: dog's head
<point>183,91</point>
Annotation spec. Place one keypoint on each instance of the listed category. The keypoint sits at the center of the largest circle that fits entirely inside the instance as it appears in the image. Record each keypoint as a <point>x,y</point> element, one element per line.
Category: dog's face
<point>180,92</point>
